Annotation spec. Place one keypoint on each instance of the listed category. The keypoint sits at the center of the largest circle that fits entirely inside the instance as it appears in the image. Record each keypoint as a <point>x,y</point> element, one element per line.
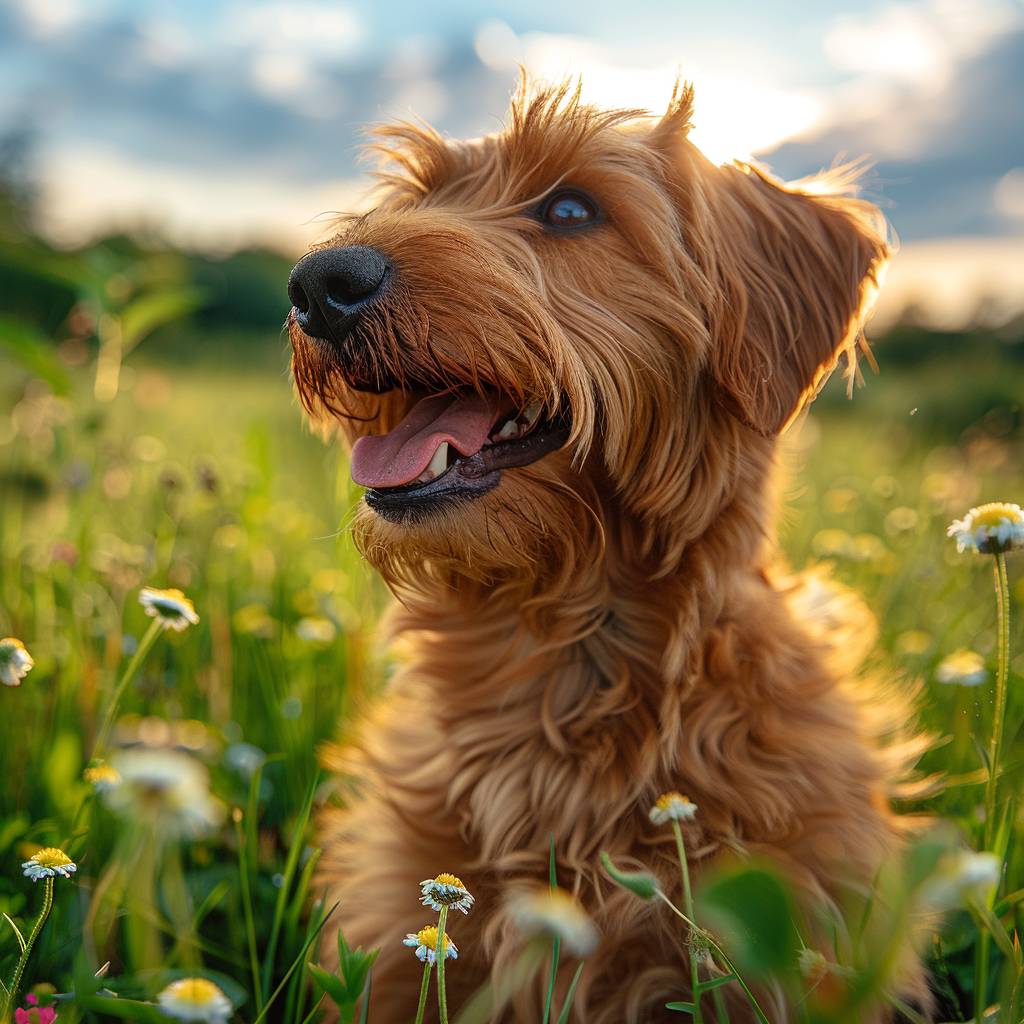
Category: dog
<point>563,355</point>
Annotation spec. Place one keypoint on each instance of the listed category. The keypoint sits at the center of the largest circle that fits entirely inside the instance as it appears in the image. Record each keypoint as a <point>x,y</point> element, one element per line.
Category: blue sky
<point>222,122</point>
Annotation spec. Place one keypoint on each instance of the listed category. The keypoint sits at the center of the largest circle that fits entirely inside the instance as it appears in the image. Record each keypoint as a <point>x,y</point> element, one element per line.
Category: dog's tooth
<point>509,429</point>
<point>531,412</point>
<point>439,463</point>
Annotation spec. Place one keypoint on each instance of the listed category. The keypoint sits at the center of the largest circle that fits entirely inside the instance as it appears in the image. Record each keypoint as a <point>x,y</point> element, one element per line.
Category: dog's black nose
<point>330,288</point>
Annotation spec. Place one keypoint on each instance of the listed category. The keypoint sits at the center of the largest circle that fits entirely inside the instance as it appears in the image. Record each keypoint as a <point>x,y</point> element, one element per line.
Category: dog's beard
<point>536,524</point>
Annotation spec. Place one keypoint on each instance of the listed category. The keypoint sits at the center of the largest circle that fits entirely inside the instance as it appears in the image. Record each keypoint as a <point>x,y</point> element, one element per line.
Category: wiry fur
<point>605,625</point>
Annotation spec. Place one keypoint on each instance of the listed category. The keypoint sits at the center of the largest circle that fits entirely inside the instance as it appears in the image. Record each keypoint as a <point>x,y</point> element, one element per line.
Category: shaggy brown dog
<point>564,354</point>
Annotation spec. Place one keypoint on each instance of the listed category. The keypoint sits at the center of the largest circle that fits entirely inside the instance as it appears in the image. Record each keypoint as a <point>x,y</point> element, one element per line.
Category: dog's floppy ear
<point>794,272</point>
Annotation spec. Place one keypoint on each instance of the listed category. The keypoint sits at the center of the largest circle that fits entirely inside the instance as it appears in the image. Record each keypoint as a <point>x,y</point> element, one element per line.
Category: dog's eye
<point>568,210</point>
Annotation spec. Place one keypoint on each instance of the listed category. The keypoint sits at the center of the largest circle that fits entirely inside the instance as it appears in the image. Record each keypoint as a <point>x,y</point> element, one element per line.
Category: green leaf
<point>364,1014</point>
<point>556,942</point>
<point>123,1009</point>
<point>354,966</point>
<point>681,1007</point>
<point>563,1017</point>
<point>753,913</point>
<point>332,985</point>
<point>213,897</point>
<point>713,983</point>
<point>17,932</point>
<point>640,883</point>
<point>155,309</point>
<point>32,350</point>
<point>291,866</point>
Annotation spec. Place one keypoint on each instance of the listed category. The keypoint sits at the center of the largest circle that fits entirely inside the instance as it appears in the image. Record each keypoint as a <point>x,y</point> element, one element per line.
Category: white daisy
<point>962,668</point>
<point>316,630</point>
<point>15,661</point>
<point>425,943</point>
<point>171,607</point>
<point>672,807</point>
<point>167,790</point>
<point>962,876</point>
<point>990,529</point>
<point>195,999</point>
<point>554,912</point>
<point>445,891</point>
<point>47,863</point>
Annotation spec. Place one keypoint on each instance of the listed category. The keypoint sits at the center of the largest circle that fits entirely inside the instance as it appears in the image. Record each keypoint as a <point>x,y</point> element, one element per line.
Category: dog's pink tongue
<point>390,460</point>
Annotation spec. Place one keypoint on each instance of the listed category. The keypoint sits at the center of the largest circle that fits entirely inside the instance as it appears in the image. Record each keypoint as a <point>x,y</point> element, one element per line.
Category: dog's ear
<point>794,272</point>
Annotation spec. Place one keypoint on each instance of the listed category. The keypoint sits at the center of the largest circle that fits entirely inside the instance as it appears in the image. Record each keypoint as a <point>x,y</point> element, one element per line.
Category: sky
<point>222,123</point>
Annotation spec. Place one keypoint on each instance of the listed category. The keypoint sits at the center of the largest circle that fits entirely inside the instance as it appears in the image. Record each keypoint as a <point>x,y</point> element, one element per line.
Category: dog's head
<point>575,323</point>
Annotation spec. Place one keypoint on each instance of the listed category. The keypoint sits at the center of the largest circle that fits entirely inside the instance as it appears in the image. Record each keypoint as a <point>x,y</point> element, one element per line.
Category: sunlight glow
<point>735,116</point>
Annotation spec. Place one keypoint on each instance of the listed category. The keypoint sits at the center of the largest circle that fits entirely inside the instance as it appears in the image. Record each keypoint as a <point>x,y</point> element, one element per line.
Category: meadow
<point>146,443</point>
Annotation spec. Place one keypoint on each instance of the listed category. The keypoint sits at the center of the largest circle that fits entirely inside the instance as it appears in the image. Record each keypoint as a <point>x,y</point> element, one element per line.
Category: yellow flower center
<point>51,857</point>
<point>446,879</point>
<point>994,513</point>
<point>102,773</point>
<point>428,936</point>
<point>197,991</point>
<point>666,800</point>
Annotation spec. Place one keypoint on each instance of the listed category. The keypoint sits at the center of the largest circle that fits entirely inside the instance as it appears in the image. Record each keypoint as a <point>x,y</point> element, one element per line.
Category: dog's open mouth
<point>451,447</point>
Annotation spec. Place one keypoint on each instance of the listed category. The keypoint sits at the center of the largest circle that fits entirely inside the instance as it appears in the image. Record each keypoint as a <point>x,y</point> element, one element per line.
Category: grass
<point>200,476</point>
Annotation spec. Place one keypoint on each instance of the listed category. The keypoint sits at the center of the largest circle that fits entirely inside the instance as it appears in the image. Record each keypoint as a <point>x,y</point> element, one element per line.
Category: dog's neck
<point>623,626</point>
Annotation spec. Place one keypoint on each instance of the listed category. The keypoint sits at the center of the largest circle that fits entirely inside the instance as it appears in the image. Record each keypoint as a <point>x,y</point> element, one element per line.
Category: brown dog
<point>564,354</point>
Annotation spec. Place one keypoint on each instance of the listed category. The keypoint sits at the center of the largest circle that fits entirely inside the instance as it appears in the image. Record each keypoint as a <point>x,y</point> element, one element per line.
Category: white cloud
<point>919,43</point>
<point>1008,196</point>
<point>165,43</point>
<point>318,31</point>
<point>47,18</point>
<point>89,191</point>
<point>497,46</point>
<point>424,98</point>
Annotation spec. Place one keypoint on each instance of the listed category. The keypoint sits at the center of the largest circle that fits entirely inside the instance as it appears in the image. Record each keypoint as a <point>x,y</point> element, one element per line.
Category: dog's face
<point>577,320</point>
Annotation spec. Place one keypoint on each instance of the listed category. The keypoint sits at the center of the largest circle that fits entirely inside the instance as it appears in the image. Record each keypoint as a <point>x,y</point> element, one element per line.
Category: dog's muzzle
<point>330,289</point>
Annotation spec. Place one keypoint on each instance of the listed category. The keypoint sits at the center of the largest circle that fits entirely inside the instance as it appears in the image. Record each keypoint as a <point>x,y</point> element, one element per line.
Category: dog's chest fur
<point>497,736</point>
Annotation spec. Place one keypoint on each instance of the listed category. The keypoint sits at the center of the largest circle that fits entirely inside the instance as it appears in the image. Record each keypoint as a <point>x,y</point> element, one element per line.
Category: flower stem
<point>442,998</point>
<point>722,955</point>
<point>147,641</point>
<point>421,1008</point>
<point>688,903</point>
<point>996,743</point>
<point>1002,588</point>
<point>19,971</point>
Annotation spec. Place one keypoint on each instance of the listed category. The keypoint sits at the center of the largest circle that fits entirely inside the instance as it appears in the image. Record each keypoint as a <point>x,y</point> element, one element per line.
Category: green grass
<point>200,475</point>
